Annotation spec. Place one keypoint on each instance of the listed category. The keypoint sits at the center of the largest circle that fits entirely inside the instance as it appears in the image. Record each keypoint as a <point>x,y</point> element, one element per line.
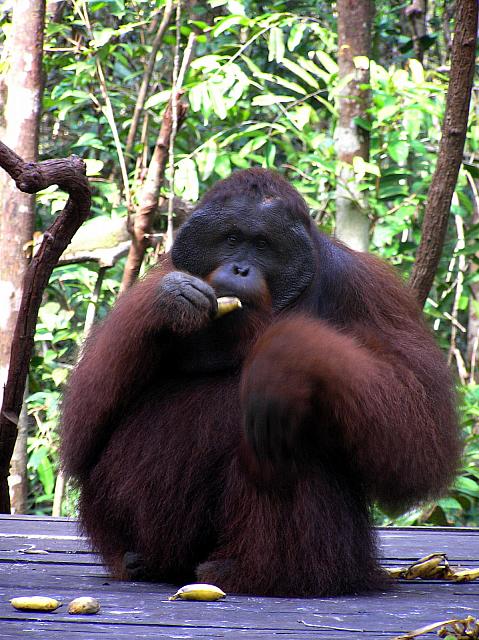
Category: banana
<point>425,567</point>
<point>226,305</point>
<point>35,603</point>
<point>466,575</point>
<point>395,572</point>
<point>204,592</point>
<point>84,605</point>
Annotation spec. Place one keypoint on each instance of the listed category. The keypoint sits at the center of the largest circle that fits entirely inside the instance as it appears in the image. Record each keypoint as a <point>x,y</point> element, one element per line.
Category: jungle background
<point>262,84</point>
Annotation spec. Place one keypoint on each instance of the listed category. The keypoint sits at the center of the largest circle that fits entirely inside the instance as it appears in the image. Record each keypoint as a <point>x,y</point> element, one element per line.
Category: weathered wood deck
<point>140,610</point>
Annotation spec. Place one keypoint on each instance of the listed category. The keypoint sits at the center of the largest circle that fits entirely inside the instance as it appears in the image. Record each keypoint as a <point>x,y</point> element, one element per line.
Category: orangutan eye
<point>261,243</point>
<point>232,240</point>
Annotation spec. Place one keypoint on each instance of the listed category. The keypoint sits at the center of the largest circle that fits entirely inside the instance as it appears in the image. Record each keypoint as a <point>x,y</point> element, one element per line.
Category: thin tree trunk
<point>451,150</point>
<point>18,480</point>
<point>145,83</point>
<point>354,39</point>
<point>24,85</point>
<point>473,315</point>
<point>55,9</point>
<point>33,177</point>
<point>148,202</point>
<point>416,13</point>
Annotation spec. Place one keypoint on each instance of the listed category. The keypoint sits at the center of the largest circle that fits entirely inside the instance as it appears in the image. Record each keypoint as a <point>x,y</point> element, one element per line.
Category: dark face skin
<point>255,251</point>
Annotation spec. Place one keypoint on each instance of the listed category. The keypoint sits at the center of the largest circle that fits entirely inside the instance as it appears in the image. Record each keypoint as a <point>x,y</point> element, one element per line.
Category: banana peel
<point>465,575</point>
<point>425,567</point>
<point>433,567</point>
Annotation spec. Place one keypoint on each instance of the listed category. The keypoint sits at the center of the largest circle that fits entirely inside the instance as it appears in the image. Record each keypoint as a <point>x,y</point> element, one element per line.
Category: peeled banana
<point>227,304</point>
<point>204,592</point>
<point>35,603</point>
<point>84,605</point>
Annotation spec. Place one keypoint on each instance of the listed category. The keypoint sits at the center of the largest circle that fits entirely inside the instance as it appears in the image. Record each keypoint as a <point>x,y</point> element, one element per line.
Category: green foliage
<point>262,91</point>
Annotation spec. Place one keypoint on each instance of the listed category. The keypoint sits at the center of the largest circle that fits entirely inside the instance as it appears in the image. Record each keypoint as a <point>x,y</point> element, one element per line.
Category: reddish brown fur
<point>163,463</point>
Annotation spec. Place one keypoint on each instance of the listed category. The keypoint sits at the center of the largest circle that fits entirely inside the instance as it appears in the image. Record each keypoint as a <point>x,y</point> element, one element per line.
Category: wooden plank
<point>52,545</point>
<point>394,543</point>
<point>33,525</point>
<point>93,631</point>
<point>145,603</point>
<point>51,557</point>
<point>409,544</point>
<point>142,610</point>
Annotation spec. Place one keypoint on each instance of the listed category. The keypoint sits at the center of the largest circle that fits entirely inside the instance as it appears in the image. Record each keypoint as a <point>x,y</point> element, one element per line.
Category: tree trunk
<point>18,480</point>
<point>24,86</point>
<point>473,314</point>
<point>354,39</point>
<point>145,82</point>
<point>416,13</point>
<point>451,150</point>
<point>148,201</point>
<point>30,178</point>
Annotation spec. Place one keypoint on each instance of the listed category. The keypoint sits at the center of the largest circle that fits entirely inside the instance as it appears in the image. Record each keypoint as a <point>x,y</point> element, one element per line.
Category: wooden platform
<point>140,610</point>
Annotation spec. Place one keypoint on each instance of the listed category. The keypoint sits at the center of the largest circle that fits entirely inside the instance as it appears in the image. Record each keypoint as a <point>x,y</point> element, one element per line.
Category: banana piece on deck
<point>84,605</point>
<point>35,603</point>
<point>395,572</point>
<point>227,304</point>
<point>465,575</point>
<point>203,592</point>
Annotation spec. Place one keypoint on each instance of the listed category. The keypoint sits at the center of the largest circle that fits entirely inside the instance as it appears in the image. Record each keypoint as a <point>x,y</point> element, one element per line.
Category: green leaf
<point>300,72</point>
<point>412,120</point>
<point>59,375</point>
<point>100,38</point>
<point>158,98</point>
<point>287,84</point>
<point>472,168</point>
<point>270,155</point>
<point>296,35</point>
<point>362,123</point>
<point>93,167</point>
<point>328,63</point>
<point>223,165</point>
<point>46,476</point>
<point>206,158</point>
<point>269,99</point>
<point>208,63</point>
<point>216,94</point>
<point>253,145</point>
<point>361,167</point>
<point>417,71</point>
<point>186,179</point>
<point>226,23</point>
<point>386,112</point>
<point>468,486</point>
<point>450,503</point>
<point>275,45</point>
<point>399,151</point>
<point>301,115</point>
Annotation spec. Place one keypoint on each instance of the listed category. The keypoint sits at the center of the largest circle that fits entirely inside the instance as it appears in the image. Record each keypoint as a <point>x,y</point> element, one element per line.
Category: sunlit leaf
<point>300,72</point>
<point>275,45</point>
<point>328,63</point>
<point>269,99</point>
<point>296,35</point>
